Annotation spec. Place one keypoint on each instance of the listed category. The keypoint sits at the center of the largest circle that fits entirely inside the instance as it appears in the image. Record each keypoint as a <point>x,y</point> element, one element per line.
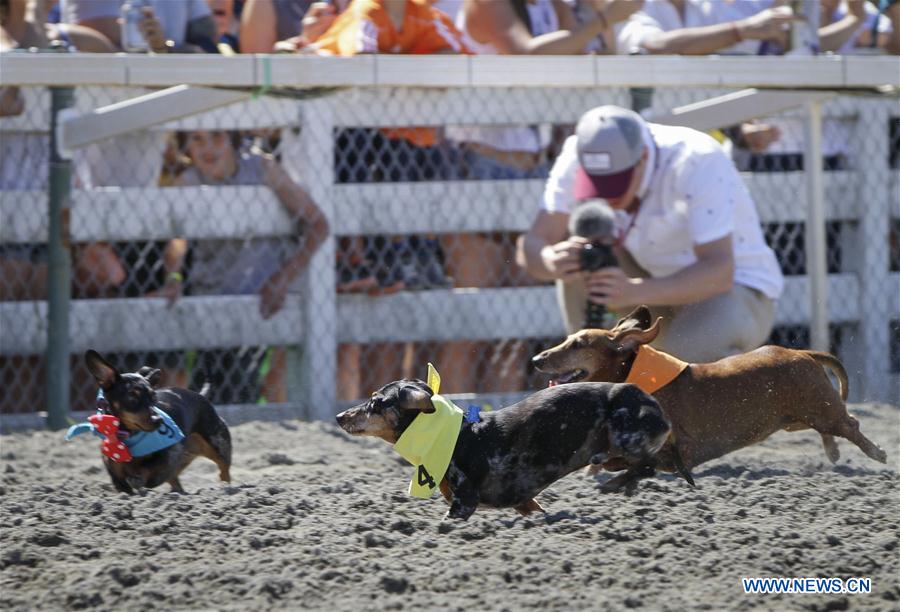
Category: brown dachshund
<point>716,408</point>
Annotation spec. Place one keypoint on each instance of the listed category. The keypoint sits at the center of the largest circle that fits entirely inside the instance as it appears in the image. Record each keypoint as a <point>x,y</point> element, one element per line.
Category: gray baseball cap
<point>610,145</point>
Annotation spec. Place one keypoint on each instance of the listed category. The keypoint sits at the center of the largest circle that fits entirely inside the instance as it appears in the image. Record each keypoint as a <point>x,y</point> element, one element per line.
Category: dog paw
<point>460,512</point>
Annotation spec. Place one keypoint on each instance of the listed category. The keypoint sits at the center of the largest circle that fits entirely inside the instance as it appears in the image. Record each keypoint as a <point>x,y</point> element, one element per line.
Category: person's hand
<point>563,258</point>
<point>758,136</point>
<point>317,20</point>
<point>272,295</point>
<point>612,288</point>
<point>289,45</point>
<point>172,291</point>
<point>770,24</point>
<point>274,175</point>
<point>11,102</point>
<point>152,31</point>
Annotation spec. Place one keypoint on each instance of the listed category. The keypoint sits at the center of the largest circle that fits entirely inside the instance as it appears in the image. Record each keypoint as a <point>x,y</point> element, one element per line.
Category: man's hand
<point>562,259</point>
<point>758,136</point>
<point>11,102</point>
<point>317,20</point>
<point>152,31</point>
<point>172,291</point>
<point>769,24</point>
<point>272,295</point>
<point>274,176</point>
<point>612,288</point>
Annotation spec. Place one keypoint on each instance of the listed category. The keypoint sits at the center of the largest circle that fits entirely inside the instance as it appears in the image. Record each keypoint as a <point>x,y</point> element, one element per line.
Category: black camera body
<point>596,255</point>
<point>596,221</point>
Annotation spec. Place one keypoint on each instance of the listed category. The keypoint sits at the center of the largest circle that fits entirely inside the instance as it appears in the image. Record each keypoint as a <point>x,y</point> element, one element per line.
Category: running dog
<point>512,454</point>
<point>717,408</point>
<point>134,410</point>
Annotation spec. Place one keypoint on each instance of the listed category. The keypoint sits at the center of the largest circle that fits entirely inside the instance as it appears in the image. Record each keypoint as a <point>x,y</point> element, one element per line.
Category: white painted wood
<point>832,72</point>
<point>450,314</point>
<point>149,214</point>
<point>815,240</point>
<point>190,69</point>
<point>869,70</point>
<point>313,370</point>
<point>314,71</point>
<point>143,112</point>
<point>502,106</point>
<point>222,321</point>
<point>130,324</point>
<point>437,207</point>
<point>528,71</point>
<point>737,107</point>
<point>445,71</point>
<point>26,68</point>
<point>402,208</point>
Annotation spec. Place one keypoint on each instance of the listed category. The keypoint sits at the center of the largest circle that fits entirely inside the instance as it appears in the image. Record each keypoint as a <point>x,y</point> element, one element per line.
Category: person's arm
<point>258,30</point>
<point>712,274</point>
<point>173,264</point>
<point>547,252</point>
<point>107,26</point>
<point>893,13</point>
<point>702,40</point>
<point>301,207</point>
<point>833,36</point>
<point>493,22</point>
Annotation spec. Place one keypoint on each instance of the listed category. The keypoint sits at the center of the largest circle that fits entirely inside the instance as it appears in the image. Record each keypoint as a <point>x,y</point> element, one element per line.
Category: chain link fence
<point>236,245</point>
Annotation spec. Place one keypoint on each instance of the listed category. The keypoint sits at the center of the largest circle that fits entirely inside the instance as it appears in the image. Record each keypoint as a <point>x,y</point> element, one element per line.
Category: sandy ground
<point>318,520</point>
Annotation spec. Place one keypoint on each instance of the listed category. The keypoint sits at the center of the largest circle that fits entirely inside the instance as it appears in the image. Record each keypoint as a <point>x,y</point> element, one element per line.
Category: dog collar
<point>121,446</point>
<point>428,443</point>
<point>652,370</point>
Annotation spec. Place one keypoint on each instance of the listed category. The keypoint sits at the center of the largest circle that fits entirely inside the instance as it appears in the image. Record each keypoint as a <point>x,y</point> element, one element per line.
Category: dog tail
<point>830,362</point>
<point>680,467</point>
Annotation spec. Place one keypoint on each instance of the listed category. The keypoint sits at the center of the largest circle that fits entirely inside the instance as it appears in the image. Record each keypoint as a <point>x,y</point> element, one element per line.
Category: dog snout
<point>539,361</point>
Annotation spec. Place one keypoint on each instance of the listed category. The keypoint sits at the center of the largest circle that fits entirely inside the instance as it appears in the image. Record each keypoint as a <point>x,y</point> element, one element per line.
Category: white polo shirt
<point>692,194</point>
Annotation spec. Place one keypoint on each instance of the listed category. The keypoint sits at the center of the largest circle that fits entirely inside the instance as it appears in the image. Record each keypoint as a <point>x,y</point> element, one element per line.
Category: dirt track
<point>316,519</point>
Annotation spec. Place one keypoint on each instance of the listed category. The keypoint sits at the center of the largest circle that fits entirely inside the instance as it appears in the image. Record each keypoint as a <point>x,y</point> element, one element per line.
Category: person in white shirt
<point>689,241</point>
<point>701,27</point>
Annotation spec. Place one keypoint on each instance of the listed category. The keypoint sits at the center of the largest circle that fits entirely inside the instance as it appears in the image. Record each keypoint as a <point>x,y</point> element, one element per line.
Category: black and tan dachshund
<point>136,404</point>
<point>513,454</point>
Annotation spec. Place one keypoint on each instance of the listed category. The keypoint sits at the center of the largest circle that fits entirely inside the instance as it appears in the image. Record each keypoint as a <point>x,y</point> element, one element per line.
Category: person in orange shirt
<point>391,26</point>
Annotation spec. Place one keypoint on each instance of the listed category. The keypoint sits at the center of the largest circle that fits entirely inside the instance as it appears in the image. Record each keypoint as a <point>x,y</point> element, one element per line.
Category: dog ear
<point>104,372</point>
<point>413,397</point>
<point>630,339</point>
<point>639,318</point>
<point>151,374</point>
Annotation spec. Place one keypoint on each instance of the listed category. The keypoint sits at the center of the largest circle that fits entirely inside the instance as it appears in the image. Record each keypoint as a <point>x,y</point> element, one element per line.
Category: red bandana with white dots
<point>112,446</point>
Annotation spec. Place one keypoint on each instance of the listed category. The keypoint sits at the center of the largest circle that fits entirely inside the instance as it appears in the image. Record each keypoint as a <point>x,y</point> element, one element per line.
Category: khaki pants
<point>727,324</point>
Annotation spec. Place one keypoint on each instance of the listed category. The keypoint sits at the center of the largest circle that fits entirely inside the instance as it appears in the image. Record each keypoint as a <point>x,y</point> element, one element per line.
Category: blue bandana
<point>140,443</point>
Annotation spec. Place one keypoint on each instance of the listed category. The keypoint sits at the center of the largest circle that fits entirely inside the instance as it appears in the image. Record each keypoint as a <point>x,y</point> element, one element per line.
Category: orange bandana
<point>652,370</point>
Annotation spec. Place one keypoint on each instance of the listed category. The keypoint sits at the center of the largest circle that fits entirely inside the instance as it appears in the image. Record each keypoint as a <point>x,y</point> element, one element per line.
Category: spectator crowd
<point>373,264</point>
